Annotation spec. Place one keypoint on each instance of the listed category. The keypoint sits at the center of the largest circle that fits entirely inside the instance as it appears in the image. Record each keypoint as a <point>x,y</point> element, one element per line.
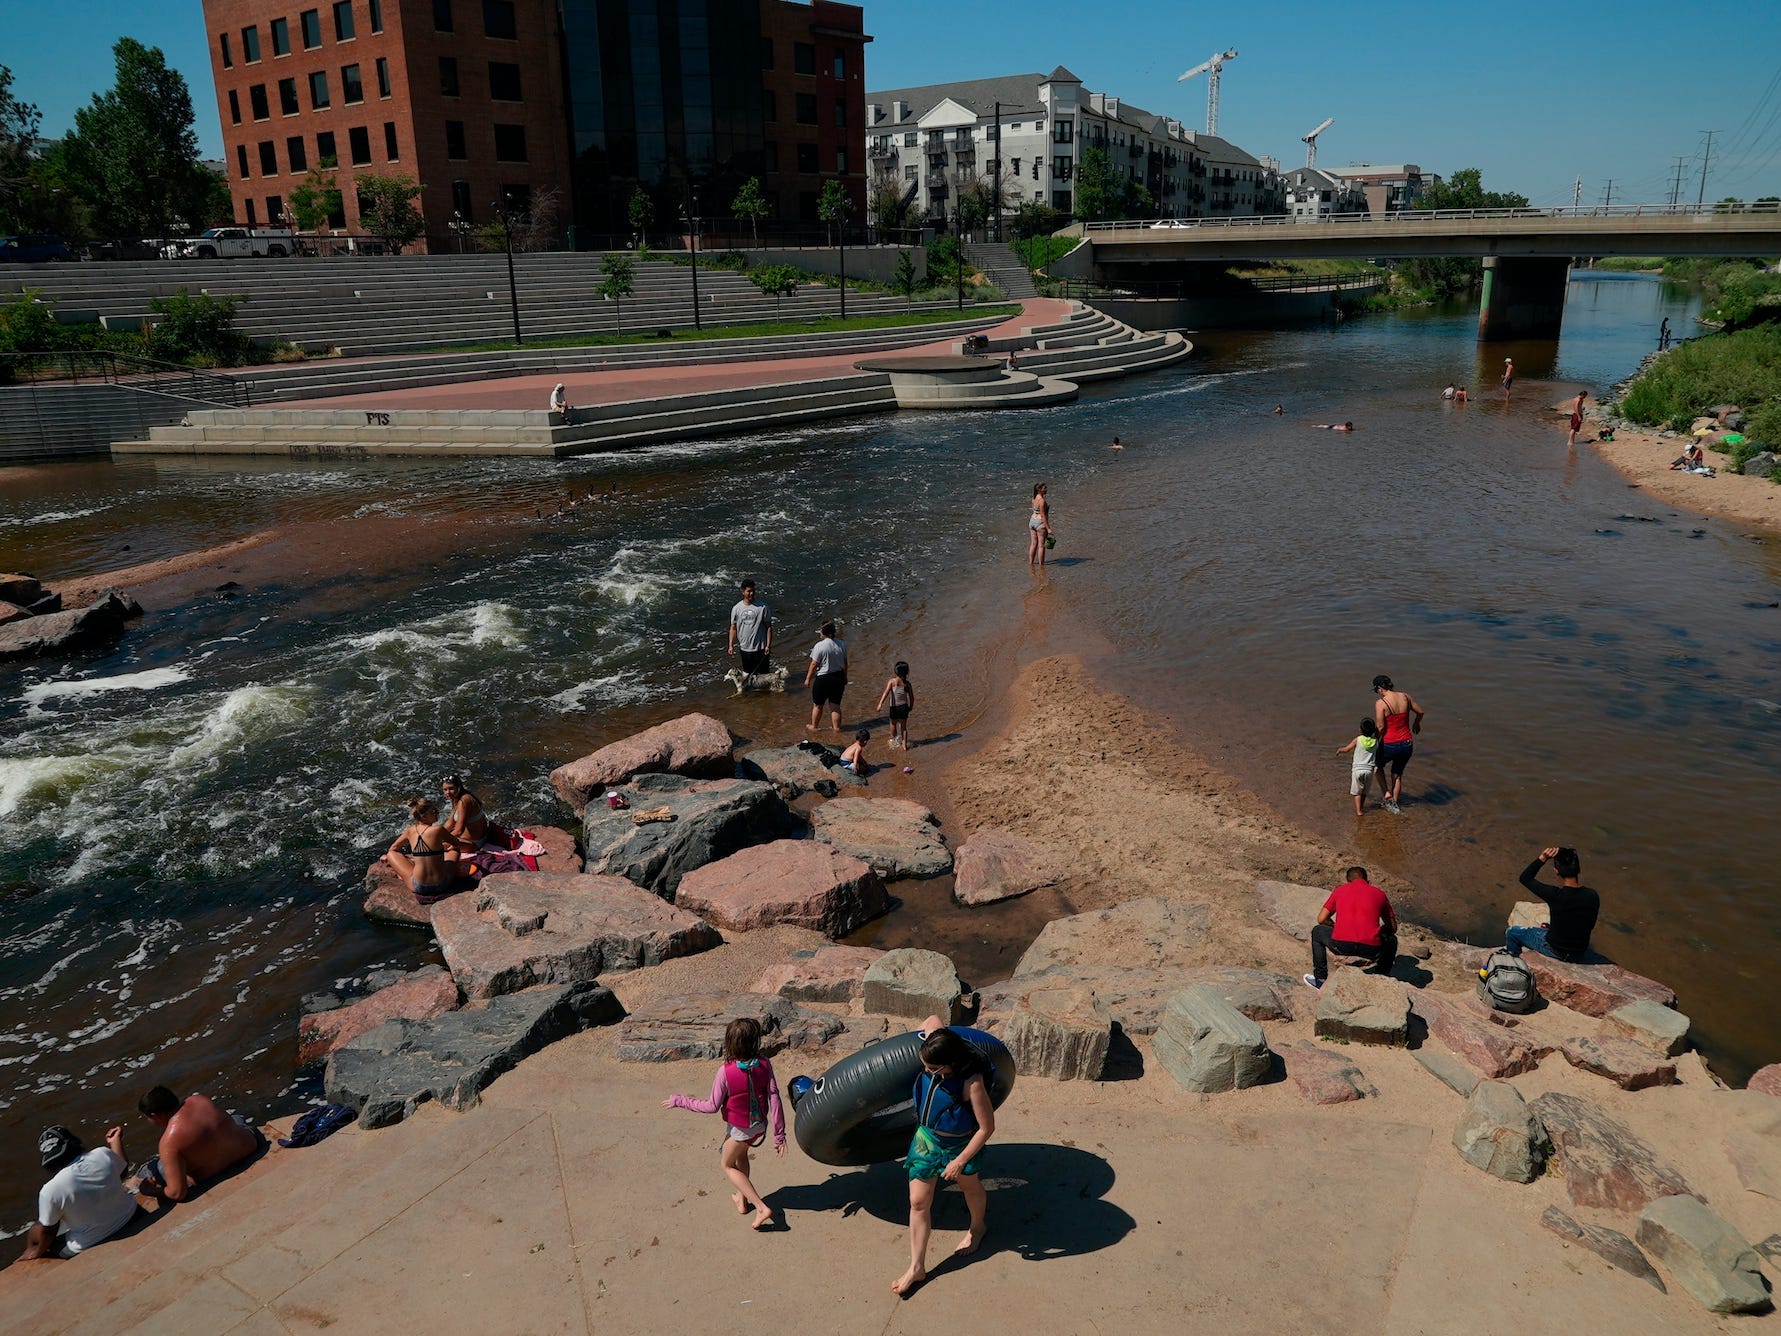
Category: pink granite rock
<point>695,745</point>
<point>897,837</point>
<point>800,882</point>
<point>998,865</point>
<point>420,997</point>
<point>12,612</point>
<point>1628,1064</point>
<point>1604,1163</point>
<point>826,974</point>
<point>389,899</point>
<point>21,589</point>
<point>1766,1079</point>
<point>1491,1050</point>
<point>1324,1075</point>
<point>1594,990</point>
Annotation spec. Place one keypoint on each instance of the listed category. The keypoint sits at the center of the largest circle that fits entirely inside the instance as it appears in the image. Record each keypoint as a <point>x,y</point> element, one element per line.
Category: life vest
<point>942,1106</point>
<point>745,1092</point>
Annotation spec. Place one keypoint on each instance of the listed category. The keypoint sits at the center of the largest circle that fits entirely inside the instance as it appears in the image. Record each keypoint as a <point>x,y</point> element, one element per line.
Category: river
<point>189,815</point>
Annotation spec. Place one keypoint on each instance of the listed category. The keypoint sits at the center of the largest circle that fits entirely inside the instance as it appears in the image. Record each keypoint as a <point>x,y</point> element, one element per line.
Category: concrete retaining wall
<point>877,263</point>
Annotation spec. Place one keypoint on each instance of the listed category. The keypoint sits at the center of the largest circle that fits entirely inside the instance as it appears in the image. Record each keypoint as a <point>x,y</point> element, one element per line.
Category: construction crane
<point>1311,141</point>
<point>1211,68</point>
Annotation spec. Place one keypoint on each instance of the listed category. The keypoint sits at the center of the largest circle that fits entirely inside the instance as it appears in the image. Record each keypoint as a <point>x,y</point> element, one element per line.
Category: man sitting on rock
<point>85,1201</point>
<point>1572,909</point>
<point>198,1141</point>
<point>1355,921</point>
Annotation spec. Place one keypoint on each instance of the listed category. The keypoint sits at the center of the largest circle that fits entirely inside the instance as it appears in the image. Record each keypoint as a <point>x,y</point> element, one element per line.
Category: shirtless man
<point>1576,418</point>
<point>1508,376</point>
<point>198,1142</point>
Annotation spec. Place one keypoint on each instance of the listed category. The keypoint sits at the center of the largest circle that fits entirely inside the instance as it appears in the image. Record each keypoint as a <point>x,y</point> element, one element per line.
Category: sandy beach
<point>1644,457</point>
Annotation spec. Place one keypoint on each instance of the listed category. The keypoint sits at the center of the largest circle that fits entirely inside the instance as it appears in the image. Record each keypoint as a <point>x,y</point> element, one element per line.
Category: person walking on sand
<point>1365,747</point>
<point>751,631</point>
<point>747,1094</point>
<point>954,1120</point>
<point>1576,419</point>
<point>1398,718</point>
<point>1508,376</point>
<point>1038,527</point>
<point>901,696</point>
<point>827,677</point>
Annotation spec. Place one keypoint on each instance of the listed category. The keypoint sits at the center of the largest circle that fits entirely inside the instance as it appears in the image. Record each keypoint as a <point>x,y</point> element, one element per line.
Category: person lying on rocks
<point>85,1201</point>
<point>199,1140</point>
<point>426,853</point>
<point>1355,921</point>
<point>1572,908</point>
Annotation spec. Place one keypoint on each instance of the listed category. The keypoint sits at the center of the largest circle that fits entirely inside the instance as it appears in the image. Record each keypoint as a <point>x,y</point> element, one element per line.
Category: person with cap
<point>1508,376</point>
<point>85,1201</point>
<point>199,1140</point>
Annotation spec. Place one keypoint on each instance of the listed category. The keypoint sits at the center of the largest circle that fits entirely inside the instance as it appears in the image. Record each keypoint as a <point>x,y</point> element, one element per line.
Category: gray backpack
<point>1505,984</point>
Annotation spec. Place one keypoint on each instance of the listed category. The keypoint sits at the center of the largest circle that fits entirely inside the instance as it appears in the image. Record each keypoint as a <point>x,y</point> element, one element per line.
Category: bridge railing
<point>1560,212</point>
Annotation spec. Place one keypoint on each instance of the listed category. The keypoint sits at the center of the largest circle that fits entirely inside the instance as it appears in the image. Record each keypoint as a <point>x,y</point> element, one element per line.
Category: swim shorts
<point>752,1135</point>
<point>1358,780</point>
<point>753,660</point>
<point>930,1153</point>
<point>899,712</point>
<point>1395,755</point>
<point>826,689</point>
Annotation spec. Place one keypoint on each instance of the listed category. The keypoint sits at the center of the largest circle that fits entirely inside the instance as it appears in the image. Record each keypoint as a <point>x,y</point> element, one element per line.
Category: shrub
<point>1738,368</point>
<point>200,330</point>
<point>733,260</point>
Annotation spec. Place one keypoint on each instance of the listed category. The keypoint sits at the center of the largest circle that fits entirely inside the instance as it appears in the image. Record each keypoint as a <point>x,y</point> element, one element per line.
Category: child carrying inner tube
<point>953,1121</point>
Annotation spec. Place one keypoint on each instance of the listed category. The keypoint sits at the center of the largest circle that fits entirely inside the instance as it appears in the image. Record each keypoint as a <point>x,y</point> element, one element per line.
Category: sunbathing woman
<point>468,822</point>
<point>426,853</point>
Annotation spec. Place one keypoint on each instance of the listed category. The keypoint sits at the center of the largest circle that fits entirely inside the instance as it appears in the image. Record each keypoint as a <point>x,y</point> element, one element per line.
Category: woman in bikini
<point>426,853</point>
<point>468,821</point>
<point>1038,527</point>
<point>1398,718</point>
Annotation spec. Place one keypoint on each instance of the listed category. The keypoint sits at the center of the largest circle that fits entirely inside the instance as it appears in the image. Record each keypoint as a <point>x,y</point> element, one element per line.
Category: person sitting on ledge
<point>198,1141</point>
<point>467,822</point>
<point>1572,907</point>
<point>85,1201</point>
<point>1355,921</point>
<point>559,401</point>
<point>425,854</point>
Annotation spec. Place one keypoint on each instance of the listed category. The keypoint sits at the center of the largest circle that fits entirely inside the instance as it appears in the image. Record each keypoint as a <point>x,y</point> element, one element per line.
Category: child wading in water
<point>747,1094</point>
<point>854,758</point>
<point>901,697</point>
<point>954,1120</point>
<point>1366,759</point>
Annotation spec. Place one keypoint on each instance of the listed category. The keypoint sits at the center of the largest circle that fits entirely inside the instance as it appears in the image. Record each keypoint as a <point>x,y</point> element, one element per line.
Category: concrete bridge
<point>1526,252</point>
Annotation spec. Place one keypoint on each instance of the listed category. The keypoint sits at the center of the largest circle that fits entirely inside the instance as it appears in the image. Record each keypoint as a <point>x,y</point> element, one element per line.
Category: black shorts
<point>826,689</point>
<point>899,712</point>
<point>1395,756</point>
<point>753,660</point>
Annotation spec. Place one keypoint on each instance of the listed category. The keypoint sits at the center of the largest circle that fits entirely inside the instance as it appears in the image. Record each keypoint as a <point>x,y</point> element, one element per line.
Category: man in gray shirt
<point>751,631</point>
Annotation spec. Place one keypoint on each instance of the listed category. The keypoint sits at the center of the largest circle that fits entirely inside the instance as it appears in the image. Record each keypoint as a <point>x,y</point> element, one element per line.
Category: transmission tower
<point>1706,158</point>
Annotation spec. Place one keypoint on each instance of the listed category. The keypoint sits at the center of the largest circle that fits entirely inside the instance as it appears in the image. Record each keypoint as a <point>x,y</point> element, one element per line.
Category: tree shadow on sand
<point>1044,1201</point>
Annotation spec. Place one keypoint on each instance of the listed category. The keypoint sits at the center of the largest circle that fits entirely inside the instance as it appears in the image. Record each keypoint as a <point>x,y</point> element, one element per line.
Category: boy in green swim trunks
<point>954,1119</point>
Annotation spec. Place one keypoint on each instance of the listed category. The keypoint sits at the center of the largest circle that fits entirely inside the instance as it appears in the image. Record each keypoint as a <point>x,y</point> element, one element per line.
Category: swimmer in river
<point>1448,392</point>
<point>1459,395</point>
<point>1279,409</point>
<point>1116,445</point>
<point>1335,426</point>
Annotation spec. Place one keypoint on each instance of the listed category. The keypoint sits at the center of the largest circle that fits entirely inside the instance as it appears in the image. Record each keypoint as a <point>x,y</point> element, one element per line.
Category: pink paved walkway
<point>658,382</point>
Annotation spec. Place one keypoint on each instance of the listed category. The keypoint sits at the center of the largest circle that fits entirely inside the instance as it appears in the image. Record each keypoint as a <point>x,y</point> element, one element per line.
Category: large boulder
<point>1628,1064</point>
<point>21,589</point>
<point>1613,1247</point>
<point>417,996</point>
<point>1062,1033</point>
<point>1594,990</point>
<point>829,973</point>
<point>801,882</point>
<point>1704,1255</point>
<point>387,1072</point>
<point>1760,464</point>
<point>1767,1080</point>
<point>1135,996</point>
<point>1149,934</point>
<point>521,929</point>
<point>694,744</point>
<point>1661,1029</point>
<point>1291,908</point>
<point>808,767</point>
<point>998,865</point>
<point>914,983</point>
<point>390,899</point>
<point>693,1025</point>
<point>1325,1075</point>
<point>12,612</point>
<point>1207,1045</point>
<point>703,821</point>
<point>1604,1162</point>
<point>1356,1007</point>
<point>897,837</point>
<point>62,632</point>
<point>1497,1133</point>
<point>1491,1049</point>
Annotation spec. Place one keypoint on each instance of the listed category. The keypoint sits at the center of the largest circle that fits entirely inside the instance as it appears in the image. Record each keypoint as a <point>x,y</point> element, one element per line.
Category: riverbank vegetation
<point>196,331</point>
<point>1742,367</point>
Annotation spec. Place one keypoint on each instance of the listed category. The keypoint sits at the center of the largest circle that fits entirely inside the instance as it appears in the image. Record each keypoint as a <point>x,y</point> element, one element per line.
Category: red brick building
<point>813,81</point>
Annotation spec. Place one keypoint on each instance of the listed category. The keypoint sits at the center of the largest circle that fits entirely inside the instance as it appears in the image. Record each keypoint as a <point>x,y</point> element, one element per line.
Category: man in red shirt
<point>1355,921</point>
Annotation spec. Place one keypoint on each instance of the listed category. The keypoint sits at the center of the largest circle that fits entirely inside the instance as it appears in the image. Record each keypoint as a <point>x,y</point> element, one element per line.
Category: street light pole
<point>512,282</point>
<point>693,218</point>
<point>958,237</point>
<point>841,237</point>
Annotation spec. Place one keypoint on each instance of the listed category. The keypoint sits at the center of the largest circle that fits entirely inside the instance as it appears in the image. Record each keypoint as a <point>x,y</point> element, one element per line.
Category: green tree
<point>1135,200</point>
<point>904,279</point>
<point>134,152</point>
<point>1097,187</point>
<point>387,209</point>
<point>317,197</point>
<point>18,131</point>
<point>1034,218</point>
<point>751,205</point>
<point>643,213</point>
<point>618,280</point>
<point>885,206</point>
<point>1462,190</point>
<point>197,329</point>
<point>775,280</point>
<point>55,197</point>
<point>833,206</point>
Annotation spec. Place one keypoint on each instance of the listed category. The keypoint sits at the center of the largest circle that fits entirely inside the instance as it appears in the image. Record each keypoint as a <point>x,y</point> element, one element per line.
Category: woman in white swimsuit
<point>1038,527</point>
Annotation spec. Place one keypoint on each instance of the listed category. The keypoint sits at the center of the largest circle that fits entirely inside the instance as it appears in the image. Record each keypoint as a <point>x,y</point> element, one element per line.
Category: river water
<point>188,816</point>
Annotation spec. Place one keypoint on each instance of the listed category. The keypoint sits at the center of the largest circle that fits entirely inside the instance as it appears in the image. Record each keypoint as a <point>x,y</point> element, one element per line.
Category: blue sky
<point>1534,94</point>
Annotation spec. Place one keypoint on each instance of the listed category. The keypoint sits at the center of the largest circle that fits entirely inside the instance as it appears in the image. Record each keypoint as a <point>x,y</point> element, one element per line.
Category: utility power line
<point>1706,161</point>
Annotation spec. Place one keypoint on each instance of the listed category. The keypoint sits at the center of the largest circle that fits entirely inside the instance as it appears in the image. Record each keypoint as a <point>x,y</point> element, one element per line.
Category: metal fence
<point>1412,217</point>
<point>61,404</point>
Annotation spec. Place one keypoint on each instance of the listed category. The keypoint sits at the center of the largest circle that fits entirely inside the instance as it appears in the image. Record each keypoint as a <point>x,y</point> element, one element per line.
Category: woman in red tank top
<point>1399,719</point>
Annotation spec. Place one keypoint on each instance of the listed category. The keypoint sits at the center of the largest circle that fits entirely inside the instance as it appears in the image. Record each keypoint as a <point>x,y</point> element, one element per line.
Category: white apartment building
<point>1311,194</point>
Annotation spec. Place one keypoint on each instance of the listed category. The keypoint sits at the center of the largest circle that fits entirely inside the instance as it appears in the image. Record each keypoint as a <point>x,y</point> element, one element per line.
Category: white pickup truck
<point>233,242</point>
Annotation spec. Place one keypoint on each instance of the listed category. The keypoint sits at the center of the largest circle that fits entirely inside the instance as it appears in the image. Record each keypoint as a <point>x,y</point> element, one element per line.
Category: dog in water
<point>773,680</point>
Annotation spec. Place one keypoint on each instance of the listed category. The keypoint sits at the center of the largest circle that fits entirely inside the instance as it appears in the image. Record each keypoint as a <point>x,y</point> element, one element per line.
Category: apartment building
<point>1311,194</point>
<point>1388,189</point>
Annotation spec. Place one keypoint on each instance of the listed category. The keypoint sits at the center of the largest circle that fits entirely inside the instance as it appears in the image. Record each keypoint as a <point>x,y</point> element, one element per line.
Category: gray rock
<point>1770,1247</point>
<point>693,1025</point>
<point>1605,1164</point>
<point>1663,1030</point>
<point>897,837</point>
<point>1137,934</point>
<point>1061,1033</point>
<point>1704,1255</point>
<point>812,768</point>
<point>711,819</point>
<point>1448,1070</point>
<point>1761,464</point>
<point>521,929</point>
<point>1136,996</point>
<point>62,632</point>
<point>1613,1247</point>
<point>387,1072</point>
<point>1497,1133</point>
<point>829,973</point>
<point>1207,1045</point>
<point>1356,1007</point>
<point>914,983</point>
<point>1325,1075</point>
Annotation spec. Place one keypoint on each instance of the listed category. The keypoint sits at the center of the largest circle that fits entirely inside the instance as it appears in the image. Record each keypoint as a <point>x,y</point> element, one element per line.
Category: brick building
<point>486,100</point>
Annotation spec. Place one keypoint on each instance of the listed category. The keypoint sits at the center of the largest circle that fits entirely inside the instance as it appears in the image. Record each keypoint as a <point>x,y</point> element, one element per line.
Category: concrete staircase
<point>1087,345</point>
<point>1001,266</point>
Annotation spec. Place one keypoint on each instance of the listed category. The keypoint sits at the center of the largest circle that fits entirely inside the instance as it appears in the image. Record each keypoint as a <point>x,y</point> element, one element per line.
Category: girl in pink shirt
<point>747,1094</point>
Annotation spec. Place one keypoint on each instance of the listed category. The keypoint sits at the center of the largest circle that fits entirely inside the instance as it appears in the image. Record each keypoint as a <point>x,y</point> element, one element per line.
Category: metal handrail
<point>1415,216</point>
<point>1181,289</point>
<point>130,372</point>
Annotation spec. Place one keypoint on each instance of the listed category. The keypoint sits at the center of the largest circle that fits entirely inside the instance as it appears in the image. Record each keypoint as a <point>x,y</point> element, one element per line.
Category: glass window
<point>250,43</point>
<point>383,77</point>
<point>769,105</point>
<point>281,37</point>
<point>351,88</point>
<point>498,20</point>
<point>296,155</point>
<point>772,155</point>
<point>909,173</point>
<point>268,158</point>
<point>461,201</point>
<point>287,97</point>
<point>256,98</point>
<point>274,209</point>
<point>376,15</point>
<point>806,108</point>
<point>454,141</point>
<point>510,143</point>
<point>234,108</point>
<point>389,141</point>
<point>840,64</point>
<point>343,31</point>
<point>766,53</point>
<point>252,219</point>
<point>325,152</point>
<point>841,161</point>
<point>241,160</point>
<point>807,158</point>
<point>318,89</point>
<point>310,20</point>
<point>911,139</point>
<point>1061,132</point>
<point>840,114</point>
<point>442,16</point>
<point>504,81</point>
<point>222,39</point>
<point>358,141</point>
<point>803,58</point>
<point>448,76</point>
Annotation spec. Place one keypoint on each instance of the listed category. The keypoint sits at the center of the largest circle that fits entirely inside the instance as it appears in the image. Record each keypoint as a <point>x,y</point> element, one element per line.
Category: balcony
<point>1135,150</point>
<point>937,185</point>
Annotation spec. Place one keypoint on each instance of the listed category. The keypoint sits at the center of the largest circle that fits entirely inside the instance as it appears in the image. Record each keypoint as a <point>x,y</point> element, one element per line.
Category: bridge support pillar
<point>1524,298</point>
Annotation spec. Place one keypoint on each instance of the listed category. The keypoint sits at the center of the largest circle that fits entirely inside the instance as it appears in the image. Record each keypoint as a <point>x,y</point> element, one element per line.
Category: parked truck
<point>229,243</point>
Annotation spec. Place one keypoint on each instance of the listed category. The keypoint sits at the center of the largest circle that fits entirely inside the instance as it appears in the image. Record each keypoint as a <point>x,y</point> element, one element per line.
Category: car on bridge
<point>34,249</point>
